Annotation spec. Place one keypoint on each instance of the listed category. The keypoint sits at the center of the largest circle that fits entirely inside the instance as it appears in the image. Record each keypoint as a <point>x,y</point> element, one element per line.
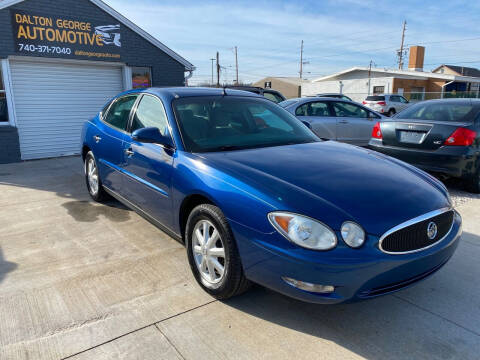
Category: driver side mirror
<point>152,135</point>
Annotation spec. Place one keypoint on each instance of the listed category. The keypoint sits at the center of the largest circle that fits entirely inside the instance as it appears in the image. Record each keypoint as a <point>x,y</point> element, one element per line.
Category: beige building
<point>290,87</point>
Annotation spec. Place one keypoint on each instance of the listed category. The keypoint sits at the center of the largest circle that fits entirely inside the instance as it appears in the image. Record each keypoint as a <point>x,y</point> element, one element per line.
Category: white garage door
<point>53,100</point>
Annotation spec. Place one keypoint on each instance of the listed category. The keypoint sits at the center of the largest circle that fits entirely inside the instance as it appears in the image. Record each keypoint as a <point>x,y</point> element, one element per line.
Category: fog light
<point>302,285</point>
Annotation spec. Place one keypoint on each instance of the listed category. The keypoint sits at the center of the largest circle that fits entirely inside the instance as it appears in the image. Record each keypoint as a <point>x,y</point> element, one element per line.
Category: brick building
<point>414,83</point>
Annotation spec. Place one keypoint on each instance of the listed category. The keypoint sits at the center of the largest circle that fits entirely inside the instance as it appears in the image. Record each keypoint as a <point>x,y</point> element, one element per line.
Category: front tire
<point>213,254</point>
<point>92,178</point>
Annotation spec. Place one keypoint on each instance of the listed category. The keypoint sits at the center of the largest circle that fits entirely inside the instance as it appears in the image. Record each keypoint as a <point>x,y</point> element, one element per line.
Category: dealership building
<point>61,61</point>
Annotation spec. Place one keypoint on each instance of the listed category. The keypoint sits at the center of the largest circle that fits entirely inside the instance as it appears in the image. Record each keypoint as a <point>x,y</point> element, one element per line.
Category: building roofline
<point>422,74</point>
<point>188,66</point>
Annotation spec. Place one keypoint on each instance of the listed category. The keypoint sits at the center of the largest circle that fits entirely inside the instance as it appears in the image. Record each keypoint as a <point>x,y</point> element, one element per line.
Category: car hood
<point>335,182</point>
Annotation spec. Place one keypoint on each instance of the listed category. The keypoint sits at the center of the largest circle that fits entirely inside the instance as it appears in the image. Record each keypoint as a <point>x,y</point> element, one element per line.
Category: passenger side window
<point>150,113</point>
<point>349,110</point>
<point>313,109</point>
<point>403,100</point>
<point>119,112</point>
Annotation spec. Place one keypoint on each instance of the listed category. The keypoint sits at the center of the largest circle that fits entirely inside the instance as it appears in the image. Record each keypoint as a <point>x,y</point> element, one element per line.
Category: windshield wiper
<point>226,148</point>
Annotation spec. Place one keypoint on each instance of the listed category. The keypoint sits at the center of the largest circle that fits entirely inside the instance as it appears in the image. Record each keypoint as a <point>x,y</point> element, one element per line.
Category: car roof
<point>472,101</point>
<point>320,94</point>
<point>317,98</point>
<point>179,92</point>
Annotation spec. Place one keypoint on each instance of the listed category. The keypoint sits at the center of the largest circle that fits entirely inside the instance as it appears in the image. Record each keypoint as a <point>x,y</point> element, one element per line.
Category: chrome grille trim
<point>414,221</point>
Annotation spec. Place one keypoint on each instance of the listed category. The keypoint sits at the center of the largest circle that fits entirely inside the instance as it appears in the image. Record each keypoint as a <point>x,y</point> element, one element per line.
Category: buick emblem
<point>432,230</point>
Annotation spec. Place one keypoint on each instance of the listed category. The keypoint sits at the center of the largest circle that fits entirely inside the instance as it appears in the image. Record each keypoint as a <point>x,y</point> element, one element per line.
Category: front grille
<point>415,237</point>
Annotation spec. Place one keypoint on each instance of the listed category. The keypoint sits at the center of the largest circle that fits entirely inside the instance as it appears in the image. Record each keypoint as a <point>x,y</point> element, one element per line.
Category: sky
<point>337,34</point>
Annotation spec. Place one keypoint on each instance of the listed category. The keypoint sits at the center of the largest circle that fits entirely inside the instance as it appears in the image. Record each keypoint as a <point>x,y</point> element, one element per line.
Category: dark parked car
<point>439,136</point>
<point>3,110</point>
<point>269,94</point>
<point>335,119</point>
<point>256,196</point>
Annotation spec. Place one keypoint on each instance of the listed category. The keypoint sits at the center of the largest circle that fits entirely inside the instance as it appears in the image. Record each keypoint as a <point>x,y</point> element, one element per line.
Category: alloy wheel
<point>92,175</point>
<point>209,253</point>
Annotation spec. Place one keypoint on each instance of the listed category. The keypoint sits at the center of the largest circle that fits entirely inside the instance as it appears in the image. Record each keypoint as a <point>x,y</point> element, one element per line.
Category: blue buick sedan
<point>255,196</point>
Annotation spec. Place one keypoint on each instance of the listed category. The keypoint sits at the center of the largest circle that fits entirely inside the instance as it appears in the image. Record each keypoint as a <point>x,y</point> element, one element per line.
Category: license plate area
<point>411,137</point>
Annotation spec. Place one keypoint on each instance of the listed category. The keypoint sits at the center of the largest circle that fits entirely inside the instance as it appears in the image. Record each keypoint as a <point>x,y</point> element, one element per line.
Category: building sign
<point>56,36</point>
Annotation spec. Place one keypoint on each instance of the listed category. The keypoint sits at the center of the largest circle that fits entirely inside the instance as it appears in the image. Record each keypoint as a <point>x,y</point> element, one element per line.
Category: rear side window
<point>150,113</point>
<point>349,110</point>
<point>375,98</point>
<point>119,112</point>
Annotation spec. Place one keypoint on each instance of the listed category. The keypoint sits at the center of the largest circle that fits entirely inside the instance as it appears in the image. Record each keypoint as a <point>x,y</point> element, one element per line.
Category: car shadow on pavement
<point>5,266</point>
<point>65,178</point>
<point>86,211</point>
<point>427,318</point>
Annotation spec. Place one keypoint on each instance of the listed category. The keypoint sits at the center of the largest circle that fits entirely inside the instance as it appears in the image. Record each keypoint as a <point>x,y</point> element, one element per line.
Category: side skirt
<point>145,215</point>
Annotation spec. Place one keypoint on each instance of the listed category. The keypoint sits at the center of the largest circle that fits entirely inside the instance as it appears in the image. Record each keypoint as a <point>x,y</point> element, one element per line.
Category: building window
<point>417,93</point>
<point>141,77</point>
<point>3,100</point>
<point>378,89</point>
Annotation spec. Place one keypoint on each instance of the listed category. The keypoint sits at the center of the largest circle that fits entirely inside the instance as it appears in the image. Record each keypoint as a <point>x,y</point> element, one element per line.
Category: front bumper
<point>356,273</point>
<point>454,161</point>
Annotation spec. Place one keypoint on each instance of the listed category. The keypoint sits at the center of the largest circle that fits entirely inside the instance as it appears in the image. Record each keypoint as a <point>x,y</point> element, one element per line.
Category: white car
<point>387,104</point>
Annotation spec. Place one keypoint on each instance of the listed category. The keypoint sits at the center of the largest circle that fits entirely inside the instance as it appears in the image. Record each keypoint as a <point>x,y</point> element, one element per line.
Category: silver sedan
<point>335,119</point>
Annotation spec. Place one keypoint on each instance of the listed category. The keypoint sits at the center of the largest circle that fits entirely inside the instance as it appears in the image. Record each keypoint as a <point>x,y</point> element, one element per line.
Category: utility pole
<point>218,71</point>
<point>301,60</point>
<point>369,75</point>
<point>212,60</point>
<point>400,52</point>
<point>236,64</point>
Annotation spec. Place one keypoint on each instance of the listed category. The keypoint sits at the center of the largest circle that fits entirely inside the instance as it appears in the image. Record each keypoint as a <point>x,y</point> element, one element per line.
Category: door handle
<point>97,138</point>
<point>129,152</point>
<point>343,122</point>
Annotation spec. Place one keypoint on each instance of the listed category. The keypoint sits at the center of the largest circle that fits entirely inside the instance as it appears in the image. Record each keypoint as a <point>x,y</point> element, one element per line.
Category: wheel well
<point>188,204</point>
<point>85,150</point>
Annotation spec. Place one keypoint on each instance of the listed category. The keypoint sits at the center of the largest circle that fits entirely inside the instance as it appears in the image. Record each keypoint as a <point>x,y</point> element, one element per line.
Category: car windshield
<point>220,123</point>
<point>440,111</point>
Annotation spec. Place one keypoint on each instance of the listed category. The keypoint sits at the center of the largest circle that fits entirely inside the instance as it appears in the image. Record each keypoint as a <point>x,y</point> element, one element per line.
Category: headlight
<point>303,231</point>
<point>352,234</point>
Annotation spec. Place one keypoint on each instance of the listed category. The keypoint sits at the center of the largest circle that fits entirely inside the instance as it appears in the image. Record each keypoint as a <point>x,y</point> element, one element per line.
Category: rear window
<point>375,98</point>
<point>286,103</point>
<point>273,97</point>
<point>439,111</point>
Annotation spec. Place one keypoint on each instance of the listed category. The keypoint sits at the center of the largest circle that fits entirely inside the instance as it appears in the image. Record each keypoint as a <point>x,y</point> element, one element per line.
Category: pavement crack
<point>170,342</point>
<point>141,328</point>
<point>438,315</point>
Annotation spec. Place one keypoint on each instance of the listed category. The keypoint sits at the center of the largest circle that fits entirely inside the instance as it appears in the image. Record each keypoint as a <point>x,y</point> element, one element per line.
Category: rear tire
<point>473,185</point>
<point>92,178</point>
<point>391,112</point>
<point>216,265</point>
